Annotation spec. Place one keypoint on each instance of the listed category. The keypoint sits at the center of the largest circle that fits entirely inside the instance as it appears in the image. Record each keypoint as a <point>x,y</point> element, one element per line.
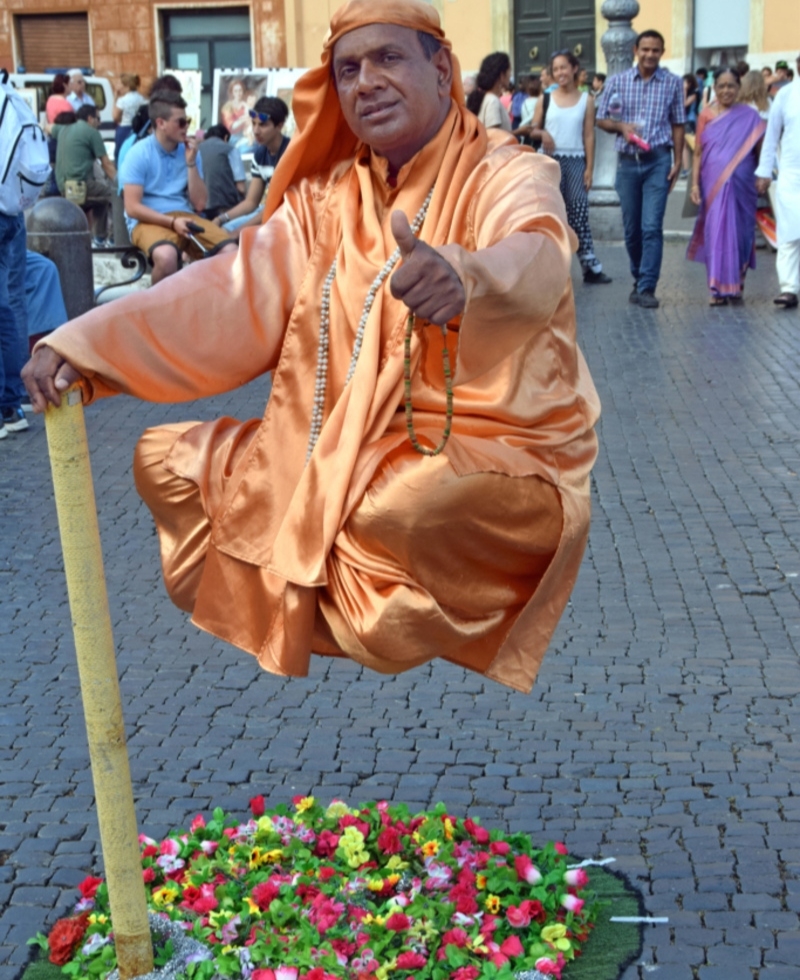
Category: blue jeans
<point>642,187</point>
<point>13,316</point>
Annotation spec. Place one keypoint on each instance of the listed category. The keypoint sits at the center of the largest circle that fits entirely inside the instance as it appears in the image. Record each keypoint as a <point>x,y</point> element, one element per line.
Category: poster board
<point>31,96</point>
<point>236,91</point>
<point>192,85</point>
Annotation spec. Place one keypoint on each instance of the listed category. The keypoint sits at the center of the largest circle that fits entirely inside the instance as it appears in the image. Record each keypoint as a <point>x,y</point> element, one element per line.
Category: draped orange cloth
<point>370,550</point>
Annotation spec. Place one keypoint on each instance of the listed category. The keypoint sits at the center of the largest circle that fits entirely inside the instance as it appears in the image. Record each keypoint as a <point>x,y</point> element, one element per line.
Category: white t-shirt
<point>566,126</point>
<point>129,103</point>
<point>493,113</point>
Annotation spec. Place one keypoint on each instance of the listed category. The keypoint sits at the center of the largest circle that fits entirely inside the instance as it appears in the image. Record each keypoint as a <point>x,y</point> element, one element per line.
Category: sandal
<point>787,300</point>
<point>718,301</point>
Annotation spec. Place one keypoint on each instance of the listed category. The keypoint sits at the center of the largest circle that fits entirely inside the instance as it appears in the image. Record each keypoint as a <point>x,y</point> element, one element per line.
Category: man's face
<point>648,53</point>
<point>781,74</point>
<point>264,132</point>
<point>392,97</point>
<point>597,83</point>
<point>77,84</point>
<point>94,122</point>
<point>175,128</point>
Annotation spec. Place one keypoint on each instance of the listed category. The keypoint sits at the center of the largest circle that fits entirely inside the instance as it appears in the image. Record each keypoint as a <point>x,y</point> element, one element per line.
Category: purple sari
<point>725,230</point>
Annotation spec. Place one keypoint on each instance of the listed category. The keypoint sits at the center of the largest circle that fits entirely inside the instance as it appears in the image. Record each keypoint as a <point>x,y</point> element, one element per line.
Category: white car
<point>100,89</point>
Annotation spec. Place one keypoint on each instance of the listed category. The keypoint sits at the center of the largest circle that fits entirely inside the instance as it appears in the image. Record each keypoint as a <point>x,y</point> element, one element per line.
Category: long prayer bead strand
<point>448,388</point>
<point>321,378</point>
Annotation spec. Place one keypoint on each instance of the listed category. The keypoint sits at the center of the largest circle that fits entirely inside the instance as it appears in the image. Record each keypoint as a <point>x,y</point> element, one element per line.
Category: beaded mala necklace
<point>321,381</point>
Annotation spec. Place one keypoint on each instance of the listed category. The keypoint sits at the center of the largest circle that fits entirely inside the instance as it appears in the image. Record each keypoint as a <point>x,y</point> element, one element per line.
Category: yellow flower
<point>448,828</point>
<point>382,973</point>
<point>375,884</point>
<point>272,857</point>
<point>430,848</point>
<point>264,825</point>
<point>396,863</point>
<point>352,837</point>
<point>166,895</point>
<point>97,919</point>
<point>480,880</point>
<point>305,803</point>
<point>357,858</point>
<point>219,918</point>
<point>553,932</point>
<point>252,906</point>
<point>492,904</point>
<point>477,945</point>
<point>338,809</point>
<point>228,949</point>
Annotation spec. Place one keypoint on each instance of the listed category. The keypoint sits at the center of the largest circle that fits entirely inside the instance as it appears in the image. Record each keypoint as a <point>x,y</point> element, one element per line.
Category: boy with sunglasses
<point>164,191</point>
<point>268,116</point>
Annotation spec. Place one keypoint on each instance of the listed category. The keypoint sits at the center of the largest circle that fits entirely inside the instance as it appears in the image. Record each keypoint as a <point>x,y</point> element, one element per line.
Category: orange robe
<point>371,550</point>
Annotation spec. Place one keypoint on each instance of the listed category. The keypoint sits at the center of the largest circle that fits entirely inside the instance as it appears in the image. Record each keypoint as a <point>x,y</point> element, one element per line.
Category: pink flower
<point>572,903</point>
<point>389,841</point>
<point>576,878</point>
<point>282,973</point>
<point>327,842</point>
<point>465,973</point>
<point>257,809</point>
<point>512,946</point>
<point>455,937</point>
<point>560,848</point>
<point>526,870</point>
<point>208,846</point>
<point>518,917</point>
<point>411,961</point>
<point>548,967</point>
<point>197,824</point>
<point>478,833</point>
<point>499,847</point>
<point>148,875</point>
<point>169,847</point>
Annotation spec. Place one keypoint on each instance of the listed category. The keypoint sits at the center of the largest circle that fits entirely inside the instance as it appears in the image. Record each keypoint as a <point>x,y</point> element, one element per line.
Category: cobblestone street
<point>662,730</point>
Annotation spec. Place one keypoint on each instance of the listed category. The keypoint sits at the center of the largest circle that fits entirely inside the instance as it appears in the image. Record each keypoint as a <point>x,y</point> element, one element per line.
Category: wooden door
<point>542,27</point>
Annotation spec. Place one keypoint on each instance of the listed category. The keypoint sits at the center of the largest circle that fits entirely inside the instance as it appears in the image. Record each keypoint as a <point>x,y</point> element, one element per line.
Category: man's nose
<point>368,76</point>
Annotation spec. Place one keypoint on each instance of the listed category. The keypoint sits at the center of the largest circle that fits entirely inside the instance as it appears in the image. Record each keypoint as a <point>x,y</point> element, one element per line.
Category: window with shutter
<point>53,41</point>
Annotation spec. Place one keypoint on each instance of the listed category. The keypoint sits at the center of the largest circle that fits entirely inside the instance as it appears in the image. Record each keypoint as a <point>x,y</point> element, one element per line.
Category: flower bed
<point>372,893</point>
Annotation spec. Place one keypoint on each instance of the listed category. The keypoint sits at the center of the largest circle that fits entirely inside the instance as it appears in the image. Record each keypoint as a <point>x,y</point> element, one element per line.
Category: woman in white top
<point>565,124</point>
<point>492,81</point>
<point>128,101</point>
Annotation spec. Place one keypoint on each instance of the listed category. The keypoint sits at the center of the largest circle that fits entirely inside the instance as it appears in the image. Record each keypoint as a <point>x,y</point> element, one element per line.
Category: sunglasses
<point>183,122</point>
<point>262,117</point>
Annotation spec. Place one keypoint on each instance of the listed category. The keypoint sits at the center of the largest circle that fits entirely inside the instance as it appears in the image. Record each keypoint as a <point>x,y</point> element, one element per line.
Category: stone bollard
<point>617,43</point>
<point>121,236</point>
<point>58,229</point>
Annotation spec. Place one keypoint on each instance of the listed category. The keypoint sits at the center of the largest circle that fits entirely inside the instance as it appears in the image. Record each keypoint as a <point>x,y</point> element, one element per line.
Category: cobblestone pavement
<point>662,729</point>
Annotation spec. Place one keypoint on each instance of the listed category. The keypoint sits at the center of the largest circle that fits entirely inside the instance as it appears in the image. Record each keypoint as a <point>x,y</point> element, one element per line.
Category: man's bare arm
<point>45,376</point>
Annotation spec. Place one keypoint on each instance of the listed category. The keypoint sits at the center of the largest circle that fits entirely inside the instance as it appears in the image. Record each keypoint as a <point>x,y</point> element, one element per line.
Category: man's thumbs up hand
<point>425,282</point>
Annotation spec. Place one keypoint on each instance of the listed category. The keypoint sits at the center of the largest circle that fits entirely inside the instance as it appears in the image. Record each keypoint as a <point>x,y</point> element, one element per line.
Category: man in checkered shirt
<point>645,103</point>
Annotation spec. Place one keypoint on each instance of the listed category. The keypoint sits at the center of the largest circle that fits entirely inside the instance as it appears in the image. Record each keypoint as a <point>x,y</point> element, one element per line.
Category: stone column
<point>58,229</point>
<point>617,43</point>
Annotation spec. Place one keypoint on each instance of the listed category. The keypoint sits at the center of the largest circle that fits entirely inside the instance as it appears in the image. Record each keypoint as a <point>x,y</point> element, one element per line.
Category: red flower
<point>478,833</point>
<point>88,887</point>
<point>560,848</point>
<point>327,842</point>
<point>325,874</point>
<point>411,961</point>
<point>499,847</point>
<point>257,806</point>
<point>65,936</point>
<point>518,917</point>
<point>535,910</point>
<point>264,895</point>
<point>389,841</point>
<point>398,922</point>
<point>150,851</point>
<point>149,874</point>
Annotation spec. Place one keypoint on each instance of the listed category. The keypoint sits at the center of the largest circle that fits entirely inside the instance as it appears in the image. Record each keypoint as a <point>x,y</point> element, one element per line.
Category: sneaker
<point>26,406</point>
<point>647,299</point>
<point>590,277</point>
<point>14,420</point>
<point>634,296</point>
<point>98,243</point>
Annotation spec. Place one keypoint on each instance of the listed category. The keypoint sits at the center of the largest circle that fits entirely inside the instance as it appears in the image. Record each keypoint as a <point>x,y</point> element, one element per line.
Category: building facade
<point>148,37</point>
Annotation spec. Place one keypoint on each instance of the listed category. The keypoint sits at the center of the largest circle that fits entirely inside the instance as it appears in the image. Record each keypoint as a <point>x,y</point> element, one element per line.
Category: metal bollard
<point>58,229</point>
<point>121,236</point>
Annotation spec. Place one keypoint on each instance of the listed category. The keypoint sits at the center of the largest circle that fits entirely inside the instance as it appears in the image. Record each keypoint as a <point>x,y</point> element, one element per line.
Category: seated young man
<point>269,116</point>
<point>164,191</point>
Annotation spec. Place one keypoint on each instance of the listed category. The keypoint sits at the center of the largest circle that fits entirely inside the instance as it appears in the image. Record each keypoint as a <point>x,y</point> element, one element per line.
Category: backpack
<point>24,157</point>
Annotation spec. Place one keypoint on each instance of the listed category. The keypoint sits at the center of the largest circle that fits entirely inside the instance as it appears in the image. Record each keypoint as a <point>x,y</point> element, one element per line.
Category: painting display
<point>237,90</point>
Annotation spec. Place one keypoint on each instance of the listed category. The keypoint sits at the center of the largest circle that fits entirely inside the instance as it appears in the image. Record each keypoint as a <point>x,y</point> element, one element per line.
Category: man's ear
<point>443,64</point>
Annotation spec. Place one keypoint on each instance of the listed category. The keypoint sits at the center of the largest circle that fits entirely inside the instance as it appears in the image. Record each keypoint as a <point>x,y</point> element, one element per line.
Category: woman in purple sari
<point>724,187</point>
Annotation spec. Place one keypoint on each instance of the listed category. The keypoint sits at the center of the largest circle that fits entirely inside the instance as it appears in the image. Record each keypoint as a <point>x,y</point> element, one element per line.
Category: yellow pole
<point>102,706</point>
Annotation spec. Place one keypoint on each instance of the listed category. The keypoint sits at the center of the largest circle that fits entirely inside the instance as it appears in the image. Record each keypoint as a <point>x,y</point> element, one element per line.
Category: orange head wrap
<point>323,138</point>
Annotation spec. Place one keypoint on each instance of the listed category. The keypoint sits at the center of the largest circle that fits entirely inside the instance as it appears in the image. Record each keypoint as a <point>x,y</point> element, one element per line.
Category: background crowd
<point>186,194</point>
